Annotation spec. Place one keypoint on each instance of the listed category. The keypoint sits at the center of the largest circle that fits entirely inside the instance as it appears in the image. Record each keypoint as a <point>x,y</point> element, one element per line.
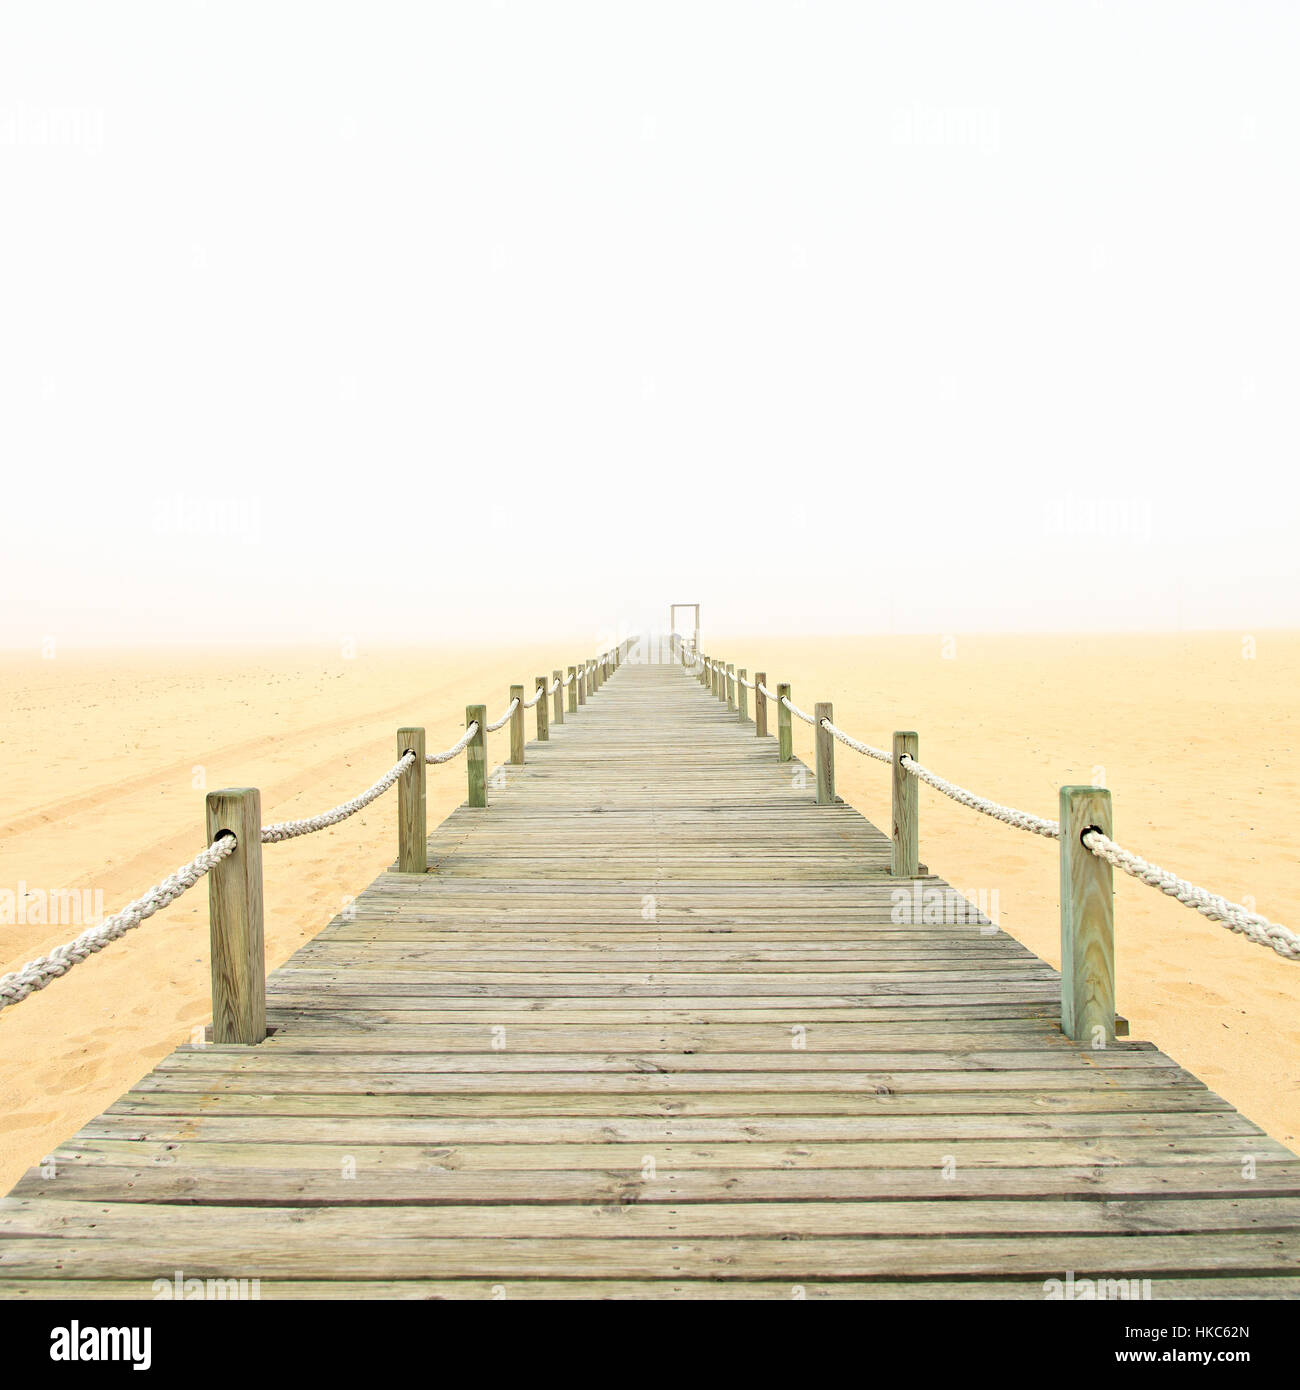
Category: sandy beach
<point>105,757</point>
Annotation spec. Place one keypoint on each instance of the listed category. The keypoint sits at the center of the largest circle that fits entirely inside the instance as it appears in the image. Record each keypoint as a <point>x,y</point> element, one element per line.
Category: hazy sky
<point>414,321</point>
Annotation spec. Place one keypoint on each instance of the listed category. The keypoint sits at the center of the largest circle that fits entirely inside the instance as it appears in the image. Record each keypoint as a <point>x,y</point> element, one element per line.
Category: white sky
<point>418,321</point>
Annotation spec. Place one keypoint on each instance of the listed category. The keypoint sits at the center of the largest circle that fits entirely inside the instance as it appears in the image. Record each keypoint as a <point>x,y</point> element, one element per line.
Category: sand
<point>101,753</point>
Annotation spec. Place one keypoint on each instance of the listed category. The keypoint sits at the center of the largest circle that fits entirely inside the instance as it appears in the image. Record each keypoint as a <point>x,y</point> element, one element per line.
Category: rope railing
<point>1219,909</point>
<point>238,911</point>
<point>1022,820</point>
<point>1094,839</point>
<point>794,709</point>
<point>291,829</point>
<point>853,743</point>
<point>505,718</point>
<point>38,973</point>
<point>456,748</point>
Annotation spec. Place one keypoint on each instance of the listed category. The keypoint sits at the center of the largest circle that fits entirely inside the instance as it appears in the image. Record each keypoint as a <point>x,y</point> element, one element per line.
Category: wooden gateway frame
<point>672,621</point>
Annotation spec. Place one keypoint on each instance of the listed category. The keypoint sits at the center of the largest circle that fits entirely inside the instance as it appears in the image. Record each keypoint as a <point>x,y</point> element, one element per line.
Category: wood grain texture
<point>235,918</point>
<point>1087,920</point>
<point>784,725</point>
<point>476,756</point>
<point>540,683</point>
<point>905,798</point>
<point>412,813</point>
<point>654,1025</point>
<point>824,753</point>
<point>516,725</point>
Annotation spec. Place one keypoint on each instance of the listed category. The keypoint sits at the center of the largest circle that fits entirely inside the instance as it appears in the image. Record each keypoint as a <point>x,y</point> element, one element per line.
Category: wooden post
<point>517,725</point>
<point>581,683</point>
<point>904,855</point>
<point>784,729</point>
<point>1087,921</point>
<point>559,695</point>
<point>573,689</point>
<point>714,678</point>
<point>760,704</point>
<point>731,685</point>
<point>476,755</point>
<point>235,918</point>
<point>412,823</point>
<point>742,695</point>
<point>824,745</point>
<point>543,723</point>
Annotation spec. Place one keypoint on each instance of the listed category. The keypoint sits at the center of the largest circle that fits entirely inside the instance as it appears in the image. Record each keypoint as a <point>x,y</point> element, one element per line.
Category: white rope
<point>36,974</point>
<point>501,723</point>
<point>1250,924</point>
<point>290,829</point>
<point>749,685</point>
<point>794,709</point>
<point>1022,820</point>
<point>766,691</point>
<point>571,677</point>
<point>1237,918</point>
<point>537,695</point>
<point>855,745</point>
<point>458,747</point>
<point>555,685</point>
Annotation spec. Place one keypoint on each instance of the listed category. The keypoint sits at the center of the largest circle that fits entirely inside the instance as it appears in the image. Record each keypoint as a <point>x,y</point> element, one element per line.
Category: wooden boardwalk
<point>646,1028</point>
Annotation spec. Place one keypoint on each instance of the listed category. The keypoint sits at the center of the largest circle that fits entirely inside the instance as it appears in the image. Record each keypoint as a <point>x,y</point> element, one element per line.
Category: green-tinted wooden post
<point>573,689</point>
<point>557,680</point>
<point>729,684</point>
<point>1087,921</point>
<point>742,695</point>
<point>235,918</point>
<point>784,728</point>
<point>476,755</point>
<point>760,703</point>
<point>543,723</point>
<point>412,817</point>
<point>905,840</point>
<point>824,746</point>
<point>582,683</point>
<point>517,725</point>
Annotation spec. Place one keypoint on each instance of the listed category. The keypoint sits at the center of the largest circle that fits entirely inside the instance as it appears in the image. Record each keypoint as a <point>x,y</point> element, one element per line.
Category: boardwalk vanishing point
<point>648,1026</point>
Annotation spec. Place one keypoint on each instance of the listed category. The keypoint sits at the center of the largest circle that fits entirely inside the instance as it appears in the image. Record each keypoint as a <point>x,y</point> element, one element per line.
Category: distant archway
<point>672,622</point>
